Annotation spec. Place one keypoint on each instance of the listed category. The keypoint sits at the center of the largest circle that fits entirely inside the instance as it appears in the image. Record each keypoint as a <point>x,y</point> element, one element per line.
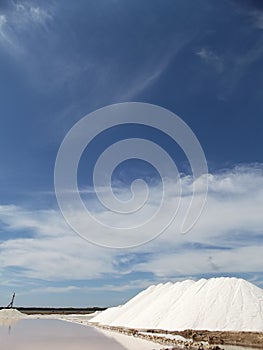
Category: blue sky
<point>60,61</point>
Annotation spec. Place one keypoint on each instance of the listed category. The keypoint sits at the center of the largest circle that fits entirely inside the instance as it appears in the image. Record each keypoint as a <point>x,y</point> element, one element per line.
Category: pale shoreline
<point>185,339</point>
<point>180,339</point>
<point>127,342</point>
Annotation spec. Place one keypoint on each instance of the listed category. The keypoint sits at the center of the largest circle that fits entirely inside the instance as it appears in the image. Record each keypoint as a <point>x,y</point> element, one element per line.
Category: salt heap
<point>218,304</point>
<point>10,316</point>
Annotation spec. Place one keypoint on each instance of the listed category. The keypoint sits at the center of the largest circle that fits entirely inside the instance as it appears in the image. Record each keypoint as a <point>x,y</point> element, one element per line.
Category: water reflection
<point>58,335</point>
<point>8,322</point>
<point>43,334</point>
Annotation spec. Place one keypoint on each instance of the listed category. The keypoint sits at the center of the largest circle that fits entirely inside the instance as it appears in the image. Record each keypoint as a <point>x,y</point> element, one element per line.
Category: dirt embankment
<point>60,311</point>
<point>248,339</point>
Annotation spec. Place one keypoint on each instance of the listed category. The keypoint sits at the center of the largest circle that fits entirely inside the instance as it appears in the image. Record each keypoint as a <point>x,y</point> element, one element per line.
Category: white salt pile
<point>222,304</point>
<point>10,316</point>
<point>11,313</point>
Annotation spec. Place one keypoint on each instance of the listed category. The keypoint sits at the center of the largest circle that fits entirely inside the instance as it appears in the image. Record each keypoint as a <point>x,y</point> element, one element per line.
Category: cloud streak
<point>257,17</point>
<point>20,19</point>
<point>227,238</point>
<point>211,58</point>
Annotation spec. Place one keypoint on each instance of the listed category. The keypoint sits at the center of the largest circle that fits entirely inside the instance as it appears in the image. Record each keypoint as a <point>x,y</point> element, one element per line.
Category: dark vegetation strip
<point>62,311</point>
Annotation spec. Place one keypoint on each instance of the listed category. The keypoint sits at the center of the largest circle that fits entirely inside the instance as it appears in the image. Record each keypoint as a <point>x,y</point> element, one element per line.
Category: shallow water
<point>41,334</point>
<point>54,335</point>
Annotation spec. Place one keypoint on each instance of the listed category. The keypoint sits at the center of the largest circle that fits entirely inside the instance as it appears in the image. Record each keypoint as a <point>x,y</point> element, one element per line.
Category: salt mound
<point>9,317</point>
<point>11,313</point>
<point>218,304</point>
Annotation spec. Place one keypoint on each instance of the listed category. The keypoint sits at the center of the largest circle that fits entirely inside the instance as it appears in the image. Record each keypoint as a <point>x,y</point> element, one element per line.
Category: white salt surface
<point>9,317</point>
<point>76,318</point>
<point>11,313</point>
<point>167,336</point>
<point>131,343</point>
<point>223,304</point>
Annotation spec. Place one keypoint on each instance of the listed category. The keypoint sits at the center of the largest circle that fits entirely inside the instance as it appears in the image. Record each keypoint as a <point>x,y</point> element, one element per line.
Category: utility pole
<point>10,305</point>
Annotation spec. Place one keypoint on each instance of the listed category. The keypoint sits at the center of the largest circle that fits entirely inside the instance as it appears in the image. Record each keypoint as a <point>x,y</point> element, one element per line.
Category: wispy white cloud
<point>129,286</point>
<point>150,74</point>
<point>4,37</point>
<point>258,17</point>
<point>21,19</point>
<point>59,290</point>
<point>232,66</point>
<point>2,21</point>
<point>226,239</point>
<point>27,36</point>
<point>27,13</point>
<point>39,15</point>
<point>55,253</point>
<point>155,67</point>
<point>211,58</point>
<point>205,261</point>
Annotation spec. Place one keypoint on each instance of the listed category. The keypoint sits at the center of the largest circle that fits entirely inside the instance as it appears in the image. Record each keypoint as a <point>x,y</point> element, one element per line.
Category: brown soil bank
<point>250,339</point>
<point>246,339</point>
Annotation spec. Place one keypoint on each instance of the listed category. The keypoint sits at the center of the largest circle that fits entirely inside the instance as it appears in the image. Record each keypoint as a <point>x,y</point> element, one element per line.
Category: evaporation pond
<point>46,334</point>
<point>42,334</point>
